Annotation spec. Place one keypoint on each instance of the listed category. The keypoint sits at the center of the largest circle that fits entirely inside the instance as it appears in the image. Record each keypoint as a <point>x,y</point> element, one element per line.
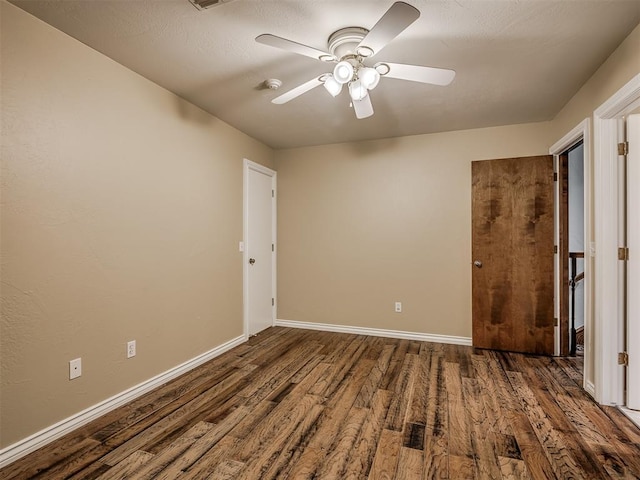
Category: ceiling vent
<point>202,4</point>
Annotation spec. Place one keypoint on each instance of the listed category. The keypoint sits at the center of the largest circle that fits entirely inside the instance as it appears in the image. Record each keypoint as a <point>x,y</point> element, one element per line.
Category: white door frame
<point>247,166</point>
<point>608,320</point>
<point>582,131</point>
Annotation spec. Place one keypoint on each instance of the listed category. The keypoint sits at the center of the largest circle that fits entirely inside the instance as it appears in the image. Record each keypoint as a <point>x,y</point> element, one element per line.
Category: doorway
<point>571,193</point>
<point>580,135</point>
<point>259,256</point>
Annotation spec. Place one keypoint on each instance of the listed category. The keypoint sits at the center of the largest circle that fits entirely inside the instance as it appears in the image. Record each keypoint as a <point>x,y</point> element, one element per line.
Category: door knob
<point>478,263</point>
<point>252,261</point>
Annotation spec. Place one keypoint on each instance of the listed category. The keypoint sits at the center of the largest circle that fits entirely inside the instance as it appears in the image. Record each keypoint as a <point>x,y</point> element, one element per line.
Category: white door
<point>259,247</point>
<point>633,265</point>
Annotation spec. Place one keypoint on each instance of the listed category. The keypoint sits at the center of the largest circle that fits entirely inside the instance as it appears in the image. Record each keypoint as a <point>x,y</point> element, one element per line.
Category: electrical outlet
<point>398,307</point>
<point>75,368</point>
<point>131,349</point>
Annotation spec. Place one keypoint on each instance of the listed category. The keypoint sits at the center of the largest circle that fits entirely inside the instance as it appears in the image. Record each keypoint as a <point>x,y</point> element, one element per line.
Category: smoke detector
<point>273,83</point>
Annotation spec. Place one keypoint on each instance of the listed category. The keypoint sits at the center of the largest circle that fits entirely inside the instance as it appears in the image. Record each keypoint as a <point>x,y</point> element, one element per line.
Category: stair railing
<point>573,281</point>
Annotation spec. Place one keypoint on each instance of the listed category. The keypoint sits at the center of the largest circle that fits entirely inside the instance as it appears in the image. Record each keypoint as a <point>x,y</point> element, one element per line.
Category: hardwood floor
<point>302,404</point>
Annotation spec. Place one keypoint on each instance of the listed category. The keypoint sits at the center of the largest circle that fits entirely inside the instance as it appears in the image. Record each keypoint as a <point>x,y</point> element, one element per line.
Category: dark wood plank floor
<point>301,404</point>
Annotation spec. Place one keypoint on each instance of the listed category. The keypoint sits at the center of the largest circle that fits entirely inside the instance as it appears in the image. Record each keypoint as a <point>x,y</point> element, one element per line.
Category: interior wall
<point>621,66</point>
<point>121,217</point>
<point>363,225</point>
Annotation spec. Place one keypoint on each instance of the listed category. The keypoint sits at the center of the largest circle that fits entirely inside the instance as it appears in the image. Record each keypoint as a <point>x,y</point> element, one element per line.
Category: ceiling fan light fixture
<point>349,49</point>
<point>369,77</point>
<point>357,90</point>
<point>343,73</point>
<point>332,85</point>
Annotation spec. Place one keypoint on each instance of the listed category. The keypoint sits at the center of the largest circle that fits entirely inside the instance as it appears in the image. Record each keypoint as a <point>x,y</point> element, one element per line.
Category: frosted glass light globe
<point>343,73</point>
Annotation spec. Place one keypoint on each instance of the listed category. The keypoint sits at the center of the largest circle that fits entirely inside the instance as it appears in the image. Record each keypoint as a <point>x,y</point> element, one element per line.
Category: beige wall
<point>121,216</point>
<point>363,225</point>
<point>621,66</point>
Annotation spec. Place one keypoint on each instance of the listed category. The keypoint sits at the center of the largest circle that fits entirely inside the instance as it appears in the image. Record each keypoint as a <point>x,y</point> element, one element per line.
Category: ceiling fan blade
<point>297,91</point>
<point>363,108</point>
<point>417,73</point>
<point>295,47</point>
<point>392,23</point>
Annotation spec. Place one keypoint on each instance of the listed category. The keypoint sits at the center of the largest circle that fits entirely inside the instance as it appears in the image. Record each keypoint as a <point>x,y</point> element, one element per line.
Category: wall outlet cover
<point>75,368</point>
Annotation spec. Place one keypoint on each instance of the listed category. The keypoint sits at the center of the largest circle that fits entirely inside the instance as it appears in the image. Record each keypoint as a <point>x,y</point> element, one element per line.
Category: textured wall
<point>613,74</point>
<point>121,216</point>
<point>362,225</point>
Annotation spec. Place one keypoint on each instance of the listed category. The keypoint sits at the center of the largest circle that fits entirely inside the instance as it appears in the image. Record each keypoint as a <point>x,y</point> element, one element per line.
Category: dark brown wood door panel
<point>512,237</point>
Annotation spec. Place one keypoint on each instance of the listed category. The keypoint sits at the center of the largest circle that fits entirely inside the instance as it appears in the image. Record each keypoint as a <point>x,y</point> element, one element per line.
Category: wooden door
<point>512,247</point>
<point>563,253</point>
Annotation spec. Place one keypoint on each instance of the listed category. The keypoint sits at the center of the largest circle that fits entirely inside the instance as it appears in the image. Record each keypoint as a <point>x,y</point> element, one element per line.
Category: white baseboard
<point>375,332</point>
<point>590,388</point>
<point>633,415</point>
<point>37,440</point>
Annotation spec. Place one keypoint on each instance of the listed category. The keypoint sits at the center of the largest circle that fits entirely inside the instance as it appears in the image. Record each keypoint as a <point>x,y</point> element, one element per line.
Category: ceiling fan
<point>351,50</point>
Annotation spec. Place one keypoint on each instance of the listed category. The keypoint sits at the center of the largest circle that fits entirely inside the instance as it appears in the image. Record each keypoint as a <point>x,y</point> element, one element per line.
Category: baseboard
<point>633,415</point>
<point>40,439</point>
<point>590,388</point>
<point>375,332</point>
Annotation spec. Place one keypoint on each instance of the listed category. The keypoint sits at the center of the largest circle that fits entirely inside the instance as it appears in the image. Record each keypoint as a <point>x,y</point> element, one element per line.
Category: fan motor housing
<point>343,42</point>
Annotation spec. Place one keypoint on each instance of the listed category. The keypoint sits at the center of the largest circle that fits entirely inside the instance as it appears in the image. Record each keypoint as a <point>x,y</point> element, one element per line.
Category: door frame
<point>581,132</point>
<point>248,165</point>
<point>609,296</point>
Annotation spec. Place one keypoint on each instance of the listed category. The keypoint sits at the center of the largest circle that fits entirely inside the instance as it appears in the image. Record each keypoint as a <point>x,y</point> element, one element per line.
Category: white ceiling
<point>517,61</point>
